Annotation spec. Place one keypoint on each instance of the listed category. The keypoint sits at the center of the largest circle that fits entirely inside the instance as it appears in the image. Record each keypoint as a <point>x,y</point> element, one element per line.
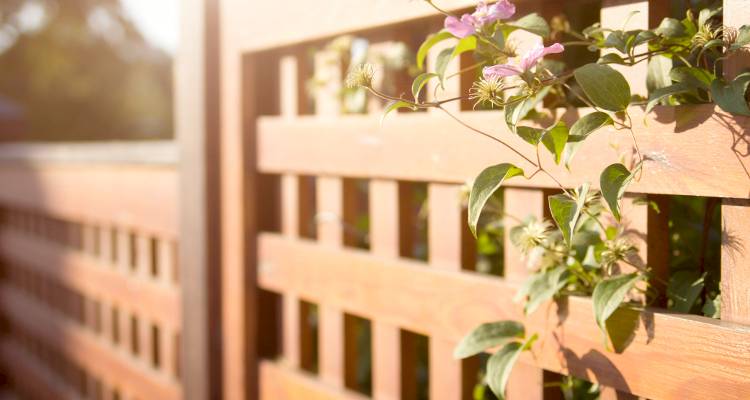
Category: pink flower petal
<point>460,28</point>
<point>503,9</point>
<point>500,71</point>
<point>531,58</point>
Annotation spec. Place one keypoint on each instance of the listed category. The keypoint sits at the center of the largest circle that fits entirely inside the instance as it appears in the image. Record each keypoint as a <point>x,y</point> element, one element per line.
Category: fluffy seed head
<point>360,76</point>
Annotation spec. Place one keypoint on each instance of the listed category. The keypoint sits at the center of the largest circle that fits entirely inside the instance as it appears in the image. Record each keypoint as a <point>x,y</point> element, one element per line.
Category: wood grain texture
<point>711,356</point>
<point>386,338</point>
<point>81,347</point>
<point>735,261</point>
<point>281,383</point>
<point>692,150</point>
<point>444,253</point>
<point>82,273</point>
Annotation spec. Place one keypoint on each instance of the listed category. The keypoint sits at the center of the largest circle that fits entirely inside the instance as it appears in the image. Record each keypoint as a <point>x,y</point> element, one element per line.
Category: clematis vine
<point>527,61</point>
<point>484,14</point>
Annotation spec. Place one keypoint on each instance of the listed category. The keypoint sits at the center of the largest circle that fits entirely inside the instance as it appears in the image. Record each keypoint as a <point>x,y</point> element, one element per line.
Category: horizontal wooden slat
<point>87,350</point>
<point>150,299</point>
<point>692,150</point>
<point>156,152</point>
<point>248,25</point>
<point>132,196</point>
<point>669,356</point>
<point>29,374</point>
<point>278,382</point>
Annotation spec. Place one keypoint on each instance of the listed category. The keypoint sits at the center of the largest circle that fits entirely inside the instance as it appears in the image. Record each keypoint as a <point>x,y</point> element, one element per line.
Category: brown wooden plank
<point>616,14</point>
<point>526,380</point>
<point>711,355</point>
<point>291,303</point>
<point>60,189</point>
<point>197,126</point>
<point>735,261</point>
<point>331,319</point>
<point>280,383</point>
<point>246,30</point>
<point>83,348</point>
<point>82,273</point>
<point>445,250</point>
<point>692,158</point>
<point>386,338</point>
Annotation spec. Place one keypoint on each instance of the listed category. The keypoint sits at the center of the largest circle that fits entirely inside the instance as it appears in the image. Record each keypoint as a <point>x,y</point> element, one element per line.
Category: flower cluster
<point>484,14</point>
<point>524,64</point>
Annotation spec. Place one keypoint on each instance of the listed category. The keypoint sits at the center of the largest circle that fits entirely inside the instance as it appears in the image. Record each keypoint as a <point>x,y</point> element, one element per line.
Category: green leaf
<point>395,105</point>
<point>500,365</point>
<point>670,28</point>
<point>529,134</point>
<point>442,61</point>
<point>616,39</point>
<point>611,58</point>
<point>566,211</point>
<point>544,286</point>
<point>488,181</point>
<point>419,82</point>
<point>519,106</point>
<point>706,14</point>
<point>589,123</point>
<point>532,23</point>
<point>580,130</point>
<point>604,86</point>
<point>555,138</point>
<point>662,93</point>
<point>731,96</point>
<point>609,294</point>
<point>693,77</point>
<point>488,335</point>
<point>684,288</point>
<point>743,38</point>
<point>613,181</point>
<point>712,307</point>
<point>468,43</point>
<point>658,73</point>
<point>431,41</point>
<point>643,37</point>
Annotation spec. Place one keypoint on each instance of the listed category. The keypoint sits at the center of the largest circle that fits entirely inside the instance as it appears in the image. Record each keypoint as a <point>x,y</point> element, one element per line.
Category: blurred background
<point>87,69</point>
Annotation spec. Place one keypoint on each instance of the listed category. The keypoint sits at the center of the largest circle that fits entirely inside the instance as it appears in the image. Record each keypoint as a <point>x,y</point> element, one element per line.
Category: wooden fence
<point>286,161</point>
<point>90,292</point>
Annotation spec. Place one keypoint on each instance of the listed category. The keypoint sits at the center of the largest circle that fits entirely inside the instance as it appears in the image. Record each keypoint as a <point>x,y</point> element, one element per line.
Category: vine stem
<point>487,135</point>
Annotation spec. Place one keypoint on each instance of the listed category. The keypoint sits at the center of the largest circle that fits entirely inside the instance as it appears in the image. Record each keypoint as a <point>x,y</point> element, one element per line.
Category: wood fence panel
<point>691,149</point>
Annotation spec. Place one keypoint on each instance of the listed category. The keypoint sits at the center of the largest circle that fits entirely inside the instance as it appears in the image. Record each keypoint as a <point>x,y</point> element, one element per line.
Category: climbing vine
<point>586,251</point>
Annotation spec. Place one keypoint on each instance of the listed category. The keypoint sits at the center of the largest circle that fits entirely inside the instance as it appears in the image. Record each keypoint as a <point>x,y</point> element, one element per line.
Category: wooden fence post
<point>197,112</point>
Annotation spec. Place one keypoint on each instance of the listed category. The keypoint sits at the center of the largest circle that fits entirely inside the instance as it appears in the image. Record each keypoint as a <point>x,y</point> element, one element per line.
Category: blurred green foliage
<point>82,72</point>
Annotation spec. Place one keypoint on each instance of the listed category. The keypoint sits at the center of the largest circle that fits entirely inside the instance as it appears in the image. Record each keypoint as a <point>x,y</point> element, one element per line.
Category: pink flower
<point>460,28</point>
<point>484,14</point>
<point>528,61</point>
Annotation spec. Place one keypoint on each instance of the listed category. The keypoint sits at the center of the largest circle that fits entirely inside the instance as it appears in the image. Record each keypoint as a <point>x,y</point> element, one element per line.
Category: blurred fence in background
<point>90,282</point>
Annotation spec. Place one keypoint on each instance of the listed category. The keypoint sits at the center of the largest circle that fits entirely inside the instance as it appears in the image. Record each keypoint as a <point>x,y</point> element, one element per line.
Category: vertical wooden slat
<point>614,15</point>
<point>203,199</point>
<point>143,256</point>
<point>386,338</point>
<point>291,311</point>
<point>735,230</point>
<point>290,212</point>
<point>444,239</point>
<point>735,261</point>
<point>330,233</point>
<point>736,14</point>
<point>526,381</point>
